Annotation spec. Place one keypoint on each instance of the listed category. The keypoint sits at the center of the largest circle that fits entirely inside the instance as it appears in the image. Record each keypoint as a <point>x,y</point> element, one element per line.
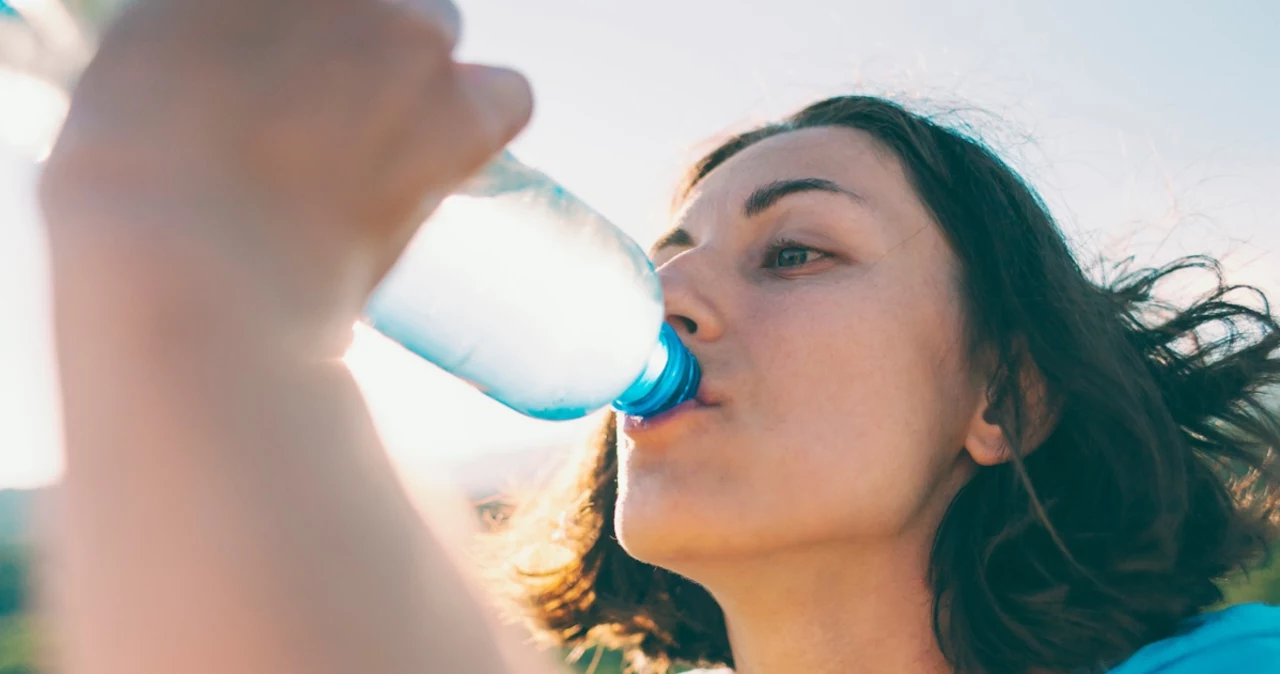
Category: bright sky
<point>1147,125</point>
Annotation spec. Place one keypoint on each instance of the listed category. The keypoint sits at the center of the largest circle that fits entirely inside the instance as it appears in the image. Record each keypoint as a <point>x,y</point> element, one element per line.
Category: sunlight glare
<point>32,112</point>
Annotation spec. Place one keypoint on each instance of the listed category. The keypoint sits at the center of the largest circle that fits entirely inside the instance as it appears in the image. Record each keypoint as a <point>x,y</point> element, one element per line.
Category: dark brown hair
<point>1155,482</point>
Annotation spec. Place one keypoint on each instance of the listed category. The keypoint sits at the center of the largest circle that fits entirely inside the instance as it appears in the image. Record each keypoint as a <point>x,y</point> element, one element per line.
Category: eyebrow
<point>761,200</point>
<point>765,197</point>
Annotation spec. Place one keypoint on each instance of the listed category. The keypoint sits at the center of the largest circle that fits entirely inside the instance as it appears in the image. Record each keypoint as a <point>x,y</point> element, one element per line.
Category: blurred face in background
<point>821,299</point>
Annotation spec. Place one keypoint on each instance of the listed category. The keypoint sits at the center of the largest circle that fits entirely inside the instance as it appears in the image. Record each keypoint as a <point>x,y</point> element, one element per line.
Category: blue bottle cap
<point>670,377</point>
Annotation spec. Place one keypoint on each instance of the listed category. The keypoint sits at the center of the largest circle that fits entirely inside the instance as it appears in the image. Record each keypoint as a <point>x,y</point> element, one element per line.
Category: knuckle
<point>437,21</point>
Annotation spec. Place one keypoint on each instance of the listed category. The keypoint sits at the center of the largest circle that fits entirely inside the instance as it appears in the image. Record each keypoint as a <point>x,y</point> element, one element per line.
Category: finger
<point>442,13</point>
<point>502,99</point>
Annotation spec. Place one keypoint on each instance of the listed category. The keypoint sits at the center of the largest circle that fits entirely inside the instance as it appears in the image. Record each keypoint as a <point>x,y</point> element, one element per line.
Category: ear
<point>985,440</point>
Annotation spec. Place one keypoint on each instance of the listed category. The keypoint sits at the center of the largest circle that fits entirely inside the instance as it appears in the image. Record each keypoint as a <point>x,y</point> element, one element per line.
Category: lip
<point>668,421</point>
<point>708,398</point>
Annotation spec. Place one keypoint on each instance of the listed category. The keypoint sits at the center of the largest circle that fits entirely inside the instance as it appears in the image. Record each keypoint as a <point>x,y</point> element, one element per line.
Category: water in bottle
<point>524,291</point>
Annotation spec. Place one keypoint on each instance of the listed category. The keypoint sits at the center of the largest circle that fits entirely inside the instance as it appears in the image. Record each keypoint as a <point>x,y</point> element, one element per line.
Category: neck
<point>829,610</point>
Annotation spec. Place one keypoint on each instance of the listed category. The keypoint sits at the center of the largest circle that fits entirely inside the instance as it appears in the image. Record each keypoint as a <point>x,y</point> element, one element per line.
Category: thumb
<point>503,102</point>
<point>499,103</point>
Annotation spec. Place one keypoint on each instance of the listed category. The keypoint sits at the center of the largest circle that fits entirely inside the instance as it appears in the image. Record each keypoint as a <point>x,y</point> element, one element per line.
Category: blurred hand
<point>285,147</point>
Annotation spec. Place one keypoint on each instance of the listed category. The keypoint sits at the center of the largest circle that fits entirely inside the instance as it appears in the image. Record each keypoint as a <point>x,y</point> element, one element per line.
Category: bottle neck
<point>670,377</point>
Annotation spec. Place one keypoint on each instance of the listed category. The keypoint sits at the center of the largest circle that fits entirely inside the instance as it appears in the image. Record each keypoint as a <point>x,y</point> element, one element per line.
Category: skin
<point>847,414</point>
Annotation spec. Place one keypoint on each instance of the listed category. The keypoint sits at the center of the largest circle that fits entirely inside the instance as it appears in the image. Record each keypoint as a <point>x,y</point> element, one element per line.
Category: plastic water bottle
<point>524,291</point>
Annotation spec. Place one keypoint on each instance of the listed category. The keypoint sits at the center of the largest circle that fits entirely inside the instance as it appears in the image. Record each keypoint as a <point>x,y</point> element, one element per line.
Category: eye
<point>790,254</point>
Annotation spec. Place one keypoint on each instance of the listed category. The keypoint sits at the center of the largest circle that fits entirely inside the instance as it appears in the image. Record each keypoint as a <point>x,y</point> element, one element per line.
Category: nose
<point>688,287</point>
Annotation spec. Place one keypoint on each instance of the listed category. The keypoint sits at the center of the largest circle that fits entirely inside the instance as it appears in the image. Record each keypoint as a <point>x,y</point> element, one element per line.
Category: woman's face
<point>821,300</point>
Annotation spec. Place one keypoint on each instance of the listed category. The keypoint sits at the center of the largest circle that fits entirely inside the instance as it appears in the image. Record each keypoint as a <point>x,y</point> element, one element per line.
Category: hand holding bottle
<point>285,148</point>
<point>232,179</point>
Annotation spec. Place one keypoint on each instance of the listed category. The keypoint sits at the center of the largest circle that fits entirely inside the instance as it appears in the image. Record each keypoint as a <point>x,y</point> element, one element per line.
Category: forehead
<point>848,157</point>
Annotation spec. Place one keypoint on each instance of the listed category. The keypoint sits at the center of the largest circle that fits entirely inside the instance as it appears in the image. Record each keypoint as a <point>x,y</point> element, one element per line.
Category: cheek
<point>840,366</point>
<point>846,417</point>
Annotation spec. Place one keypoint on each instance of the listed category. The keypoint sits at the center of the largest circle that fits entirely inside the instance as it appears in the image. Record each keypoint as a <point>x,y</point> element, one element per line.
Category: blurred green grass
<point>17,645</point>
<point>17,635</point>
<point>1260,585</point>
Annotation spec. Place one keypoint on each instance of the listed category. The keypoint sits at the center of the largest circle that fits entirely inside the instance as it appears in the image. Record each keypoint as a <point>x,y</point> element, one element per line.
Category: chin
<point>684,502</point>
<point>659,530</point>
<point>675,532</point>
<point>646,535</point>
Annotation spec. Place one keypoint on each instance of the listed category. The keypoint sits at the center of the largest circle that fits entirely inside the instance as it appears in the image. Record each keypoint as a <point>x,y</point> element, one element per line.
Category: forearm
<point>227,504</point>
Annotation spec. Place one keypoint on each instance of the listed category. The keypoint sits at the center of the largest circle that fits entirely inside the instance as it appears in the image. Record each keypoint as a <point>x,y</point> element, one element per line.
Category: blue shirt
<point>1243,639</point>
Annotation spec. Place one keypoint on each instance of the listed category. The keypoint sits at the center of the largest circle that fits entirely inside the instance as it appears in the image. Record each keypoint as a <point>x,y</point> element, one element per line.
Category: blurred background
<point>1148,126</point>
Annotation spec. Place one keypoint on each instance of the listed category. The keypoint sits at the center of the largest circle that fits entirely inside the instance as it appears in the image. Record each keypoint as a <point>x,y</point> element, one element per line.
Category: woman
<point>926,443</point>
<point>930,442</point>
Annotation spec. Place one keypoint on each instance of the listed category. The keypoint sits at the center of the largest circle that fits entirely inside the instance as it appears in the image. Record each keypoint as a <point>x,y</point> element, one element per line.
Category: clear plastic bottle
<point>521,289</point>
